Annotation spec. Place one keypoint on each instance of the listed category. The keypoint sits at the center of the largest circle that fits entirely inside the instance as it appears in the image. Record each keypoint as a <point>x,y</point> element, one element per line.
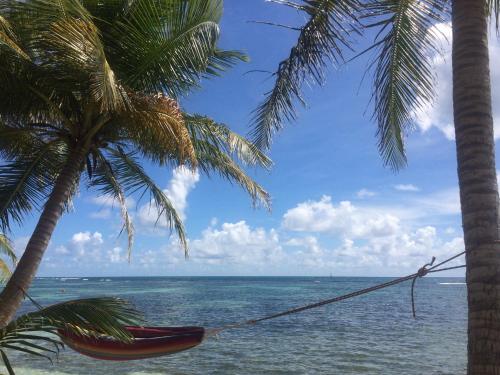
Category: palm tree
<point>6,250</point>
<point>403,81</point>
<point>93,86</point>
<point>31,332</point>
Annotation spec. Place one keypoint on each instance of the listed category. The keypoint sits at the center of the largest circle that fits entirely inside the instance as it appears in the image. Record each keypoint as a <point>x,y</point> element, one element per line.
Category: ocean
<point>370,334</point>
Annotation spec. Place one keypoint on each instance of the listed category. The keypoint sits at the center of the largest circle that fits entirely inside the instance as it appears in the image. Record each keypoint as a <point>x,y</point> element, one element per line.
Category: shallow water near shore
<point>371,334</point>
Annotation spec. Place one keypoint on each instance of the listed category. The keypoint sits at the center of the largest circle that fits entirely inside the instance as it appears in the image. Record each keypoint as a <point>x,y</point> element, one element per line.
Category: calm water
<point>372,334</point>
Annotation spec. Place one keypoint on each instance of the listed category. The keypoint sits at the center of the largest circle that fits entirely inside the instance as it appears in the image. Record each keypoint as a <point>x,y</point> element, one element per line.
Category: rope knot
<point>422,271</point>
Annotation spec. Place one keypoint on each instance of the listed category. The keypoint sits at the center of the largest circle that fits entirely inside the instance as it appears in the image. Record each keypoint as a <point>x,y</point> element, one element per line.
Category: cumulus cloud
<point>343,219</point>
<point>88,252</point>
<point>238,248</point>
<point>182,183</point>
<point>366,238</point>
<point>440,113</point>
<point>406,187</point>
<point>115,255</point>
<point>315,237</point>
<point>237,243</point>
<point>82,244</point>
<point>229,248</point>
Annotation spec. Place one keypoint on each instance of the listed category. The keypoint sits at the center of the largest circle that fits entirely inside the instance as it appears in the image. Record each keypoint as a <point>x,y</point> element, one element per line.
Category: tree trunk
<point>12,295</point>
<point>477,181</point>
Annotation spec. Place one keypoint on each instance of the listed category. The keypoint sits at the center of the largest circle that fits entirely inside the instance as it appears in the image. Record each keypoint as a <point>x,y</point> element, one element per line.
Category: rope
<point>420,273</point>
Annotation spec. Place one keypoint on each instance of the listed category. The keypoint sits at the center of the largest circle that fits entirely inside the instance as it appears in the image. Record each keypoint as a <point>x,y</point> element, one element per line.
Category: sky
<point>336,210</point>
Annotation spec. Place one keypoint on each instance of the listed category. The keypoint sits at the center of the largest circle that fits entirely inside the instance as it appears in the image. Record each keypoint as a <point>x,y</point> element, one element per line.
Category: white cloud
<point>237,243</point>
<point>344,219</point>
<point>231,248</point>
<point>182,183</point>
<point>237,248</point>
<point>406,187</point>
<point>315,237</point>
<point>440,113</point>
<point>365,193</point>
<point>84,244</point>
<point>115,255</point>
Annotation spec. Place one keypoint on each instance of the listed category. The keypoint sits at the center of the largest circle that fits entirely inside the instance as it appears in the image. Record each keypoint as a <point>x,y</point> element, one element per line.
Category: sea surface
<point>370,334</point>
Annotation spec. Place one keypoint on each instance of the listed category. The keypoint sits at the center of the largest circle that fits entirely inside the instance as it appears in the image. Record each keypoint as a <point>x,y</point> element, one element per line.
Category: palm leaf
<point>212,160</point>
<point>67,41</point>
<point>156,126</point>
<point>89,317</point>
<point>166,46</point>
<point>25,183</point>
<point>320,42</point>
<point>207,130</point>
<point>403,77</point>
<point>105,180</point>
<point>86,316</point>
<point>6,362</point>
<point>74,42</point>
<point>133,178</point>
<point>8,38</point>
<point>6,250</point>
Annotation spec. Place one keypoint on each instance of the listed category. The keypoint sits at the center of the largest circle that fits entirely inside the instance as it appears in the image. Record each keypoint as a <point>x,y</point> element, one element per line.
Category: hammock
<point>148,342</point>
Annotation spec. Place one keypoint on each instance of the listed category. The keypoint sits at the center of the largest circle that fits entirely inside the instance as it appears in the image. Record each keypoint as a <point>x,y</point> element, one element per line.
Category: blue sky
<point>336,209</point>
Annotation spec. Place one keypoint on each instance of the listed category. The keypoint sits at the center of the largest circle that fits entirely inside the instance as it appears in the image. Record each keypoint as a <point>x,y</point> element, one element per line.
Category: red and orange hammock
<point>148,342</point>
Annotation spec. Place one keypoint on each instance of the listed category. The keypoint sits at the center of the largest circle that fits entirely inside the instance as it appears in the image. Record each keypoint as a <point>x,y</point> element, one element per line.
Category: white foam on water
<point>451,283</point>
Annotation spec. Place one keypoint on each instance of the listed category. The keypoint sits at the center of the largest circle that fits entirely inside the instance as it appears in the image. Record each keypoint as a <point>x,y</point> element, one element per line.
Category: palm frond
<point>31,332</point>
<point>133,178</point>
<point>65,39</point>
<point>74,42</point>
<point>212,160</point>
<point>403,77</point>
<point>7,250</point>
<point>88,316</point>
<point>320,42</point>
<point>168,46</point>
<point>222,60</point>
<point>156,126</point>
<point>107,183</point>
<point>207,130</point>
<point>7,38</point>
<point>26,181</point>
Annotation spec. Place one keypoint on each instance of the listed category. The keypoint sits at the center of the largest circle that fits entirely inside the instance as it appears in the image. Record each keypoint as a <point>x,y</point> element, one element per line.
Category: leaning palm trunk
<point>477,182</point>
<point>27,267</point>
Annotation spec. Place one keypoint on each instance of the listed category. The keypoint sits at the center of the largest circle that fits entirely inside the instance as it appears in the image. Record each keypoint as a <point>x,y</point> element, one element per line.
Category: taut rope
<point>424,270</point>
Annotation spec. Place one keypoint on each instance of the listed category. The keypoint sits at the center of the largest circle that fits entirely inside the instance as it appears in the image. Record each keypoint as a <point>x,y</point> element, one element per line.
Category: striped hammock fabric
<point>148,342</point>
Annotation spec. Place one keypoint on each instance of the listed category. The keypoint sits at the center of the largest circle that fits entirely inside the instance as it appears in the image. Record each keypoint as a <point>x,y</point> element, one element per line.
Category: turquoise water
<point>372,334</point>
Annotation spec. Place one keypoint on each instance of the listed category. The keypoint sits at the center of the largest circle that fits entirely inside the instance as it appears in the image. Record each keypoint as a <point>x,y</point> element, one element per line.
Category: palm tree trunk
<point>12,295</point>
<point>478,183</point>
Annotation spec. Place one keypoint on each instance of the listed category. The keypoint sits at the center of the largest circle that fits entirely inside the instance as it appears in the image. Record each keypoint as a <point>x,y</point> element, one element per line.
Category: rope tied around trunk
<point>422,271</point>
